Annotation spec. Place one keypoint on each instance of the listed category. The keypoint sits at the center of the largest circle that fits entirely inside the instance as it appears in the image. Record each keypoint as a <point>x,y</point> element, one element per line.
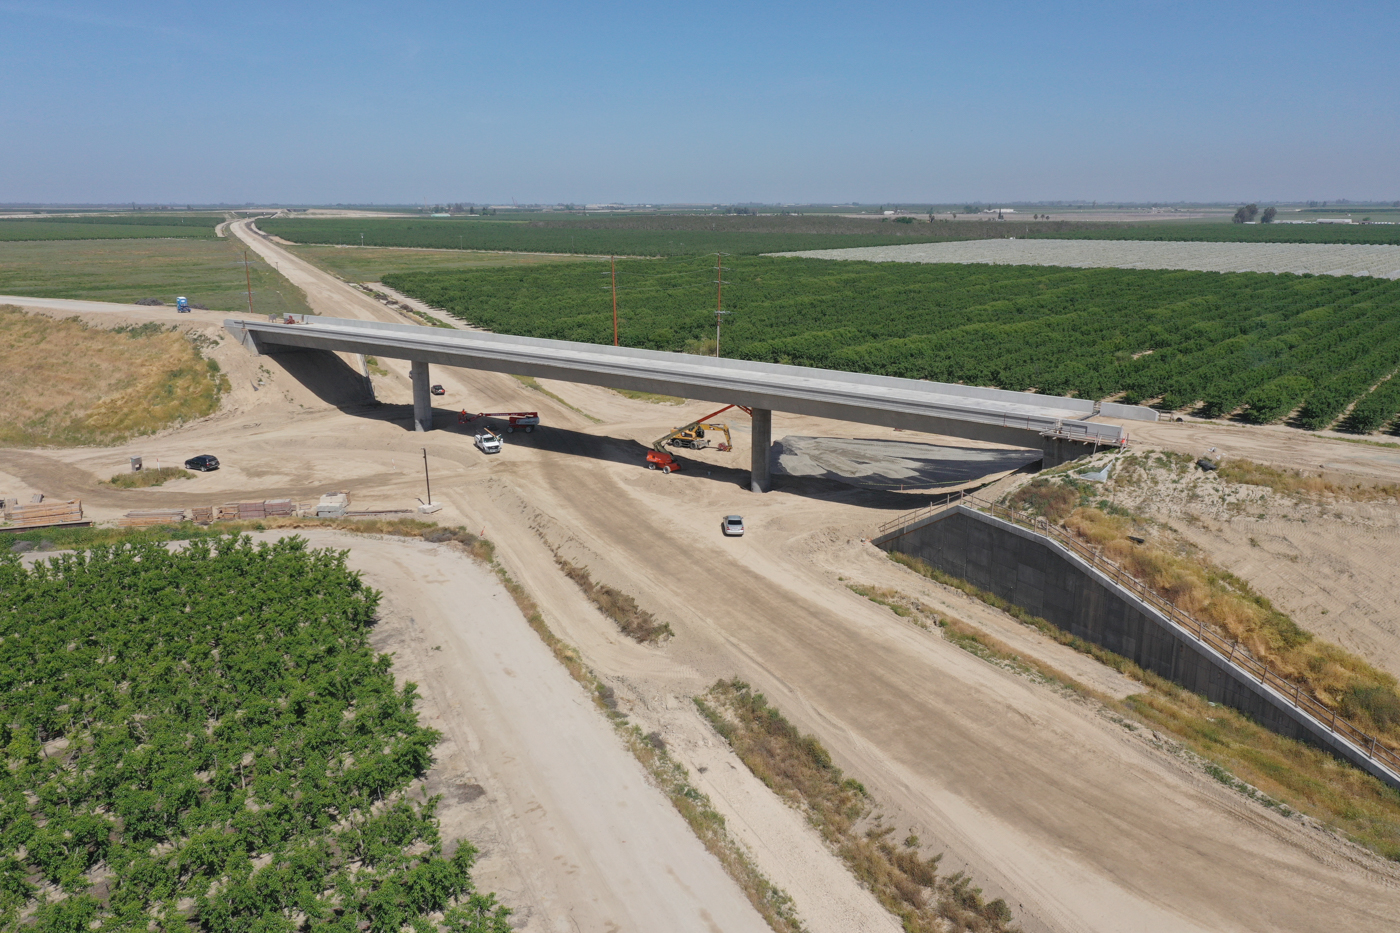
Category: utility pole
<point>248,277</point>
<point>719,297</point>
<point>426,479</point>
<point>613,260</point>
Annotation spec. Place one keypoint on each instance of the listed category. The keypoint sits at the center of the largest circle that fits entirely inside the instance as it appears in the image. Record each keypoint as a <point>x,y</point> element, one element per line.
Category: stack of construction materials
<point>202,515</point>
<point>332,505</point>
<point>241,512</point>
<point>39,512</point>
<point>248,511</point>
<point>279,507</point>
<point>144,518</point>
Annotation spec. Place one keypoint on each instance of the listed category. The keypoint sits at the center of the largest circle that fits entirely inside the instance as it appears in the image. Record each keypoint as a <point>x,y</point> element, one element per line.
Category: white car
<point>733,525</point>
<point>488,442</point>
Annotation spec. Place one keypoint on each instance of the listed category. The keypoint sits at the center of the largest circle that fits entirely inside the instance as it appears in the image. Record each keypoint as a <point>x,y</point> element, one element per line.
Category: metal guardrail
<point>918,515</point>
<point>1234,653</point>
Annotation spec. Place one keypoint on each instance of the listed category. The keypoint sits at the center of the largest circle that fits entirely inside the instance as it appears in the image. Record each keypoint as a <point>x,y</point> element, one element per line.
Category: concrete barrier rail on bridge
<point>1059,427</point>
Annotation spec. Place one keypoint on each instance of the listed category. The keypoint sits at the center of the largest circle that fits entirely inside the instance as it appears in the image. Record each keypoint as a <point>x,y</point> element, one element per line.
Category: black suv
<point>203,463</point>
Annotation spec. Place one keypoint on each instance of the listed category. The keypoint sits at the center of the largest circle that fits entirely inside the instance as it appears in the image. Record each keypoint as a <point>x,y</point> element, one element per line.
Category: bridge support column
<point>760,479</point>
<point>422,397</point>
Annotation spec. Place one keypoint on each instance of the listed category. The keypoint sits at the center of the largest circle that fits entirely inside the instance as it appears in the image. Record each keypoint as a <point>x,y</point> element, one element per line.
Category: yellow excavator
<point>689,435</point>
<point>693,436</point>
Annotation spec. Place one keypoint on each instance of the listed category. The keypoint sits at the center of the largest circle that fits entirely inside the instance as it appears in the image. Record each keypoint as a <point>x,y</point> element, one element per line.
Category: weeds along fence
<point>1232,652</point>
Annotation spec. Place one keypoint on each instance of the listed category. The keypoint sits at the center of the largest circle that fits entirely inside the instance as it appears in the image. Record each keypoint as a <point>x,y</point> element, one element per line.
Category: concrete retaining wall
<point>1047,580</point>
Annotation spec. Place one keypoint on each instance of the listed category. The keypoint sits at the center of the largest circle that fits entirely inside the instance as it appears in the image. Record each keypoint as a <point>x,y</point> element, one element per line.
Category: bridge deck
<point>1022,419</point>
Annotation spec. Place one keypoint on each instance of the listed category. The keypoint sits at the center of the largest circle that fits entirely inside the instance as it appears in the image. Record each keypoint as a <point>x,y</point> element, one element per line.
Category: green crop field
<point>696,234</point>
<point>111,227</point>
<point>371,265</point>
<point>204,739</point>
<point>1258,343</point>
<point>208,272</point>
<point>637,234</point>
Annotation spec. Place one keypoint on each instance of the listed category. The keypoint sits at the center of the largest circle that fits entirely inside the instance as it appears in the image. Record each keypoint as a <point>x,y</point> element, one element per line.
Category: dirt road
<point>527,756</point>
<point>1079,822</point>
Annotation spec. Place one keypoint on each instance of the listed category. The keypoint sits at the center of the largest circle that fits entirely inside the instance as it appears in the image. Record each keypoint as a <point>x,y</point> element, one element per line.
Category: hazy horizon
<point>1149,102</point>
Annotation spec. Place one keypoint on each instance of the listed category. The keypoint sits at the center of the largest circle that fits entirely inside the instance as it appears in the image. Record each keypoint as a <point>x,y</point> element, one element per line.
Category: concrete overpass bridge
<point>1059,427</point>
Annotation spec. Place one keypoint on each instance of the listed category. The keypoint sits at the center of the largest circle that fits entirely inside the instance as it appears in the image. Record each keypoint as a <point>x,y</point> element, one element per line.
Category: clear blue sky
<point>723,102</point>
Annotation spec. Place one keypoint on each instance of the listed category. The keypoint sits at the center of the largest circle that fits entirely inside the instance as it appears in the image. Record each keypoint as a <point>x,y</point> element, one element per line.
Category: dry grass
<point>147,478</point>
<point>530,382</point>
<point>634,621</point>
<point>64,384</point>
<point>798,769</point>
<point>653,397</point>
<point>1299,484</point>
<point>1180,573</point>
<point>1282,773</point>
<point>967,637</point>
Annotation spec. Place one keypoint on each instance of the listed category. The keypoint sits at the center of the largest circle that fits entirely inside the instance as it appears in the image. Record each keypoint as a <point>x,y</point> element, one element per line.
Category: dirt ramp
<point>871,463</point>
<point>325,376</point>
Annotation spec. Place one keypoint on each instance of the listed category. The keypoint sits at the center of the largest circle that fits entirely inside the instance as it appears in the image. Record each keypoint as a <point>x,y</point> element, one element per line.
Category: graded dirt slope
<point>1331,562</point>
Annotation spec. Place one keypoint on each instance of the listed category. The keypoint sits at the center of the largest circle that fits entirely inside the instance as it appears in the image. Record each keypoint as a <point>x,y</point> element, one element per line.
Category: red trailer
<point>525,420</point>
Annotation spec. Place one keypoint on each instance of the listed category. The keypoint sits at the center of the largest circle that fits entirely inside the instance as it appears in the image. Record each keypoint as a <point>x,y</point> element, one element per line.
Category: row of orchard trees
<point>1259,344</point>
<point>204,736</point>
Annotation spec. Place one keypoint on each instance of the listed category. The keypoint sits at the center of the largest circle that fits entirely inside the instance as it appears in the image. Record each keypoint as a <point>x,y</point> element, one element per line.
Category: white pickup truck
<point>488,442</point>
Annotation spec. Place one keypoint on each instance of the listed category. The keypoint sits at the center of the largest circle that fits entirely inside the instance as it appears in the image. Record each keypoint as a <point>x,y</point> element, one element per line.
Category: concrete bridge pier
<point>760,477</point>
<point>422,396</point>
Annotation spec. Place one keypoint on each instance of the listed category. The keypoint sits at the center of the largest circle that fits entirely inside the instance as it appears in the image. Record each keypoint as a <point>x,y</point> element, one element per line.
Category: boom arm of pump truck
<point>659,445</point>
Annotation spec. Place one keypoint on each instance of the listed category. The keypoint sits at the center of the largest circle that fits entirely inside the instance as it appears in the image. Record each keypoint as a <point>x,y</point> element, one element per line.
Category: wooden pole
<point>426,479</point>
<point>248,277</point>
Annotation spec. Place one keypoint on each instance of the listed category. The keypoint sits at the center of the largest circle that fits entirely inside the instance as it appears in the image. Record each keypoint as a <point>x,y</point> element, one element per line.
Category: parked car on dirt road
<point>203,463</point>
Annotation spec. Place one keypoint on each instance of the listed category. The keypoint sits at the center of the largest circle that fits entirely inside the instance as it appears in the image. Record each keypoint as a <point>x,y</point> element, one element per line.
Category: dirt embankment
<point>65,381</point>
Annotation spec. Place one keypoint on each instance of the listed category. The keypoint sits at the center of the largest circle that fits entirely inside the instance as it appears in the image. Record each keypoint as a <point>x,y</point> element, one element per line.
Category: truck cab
<point>488,442</point>
<point>182,305</point>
